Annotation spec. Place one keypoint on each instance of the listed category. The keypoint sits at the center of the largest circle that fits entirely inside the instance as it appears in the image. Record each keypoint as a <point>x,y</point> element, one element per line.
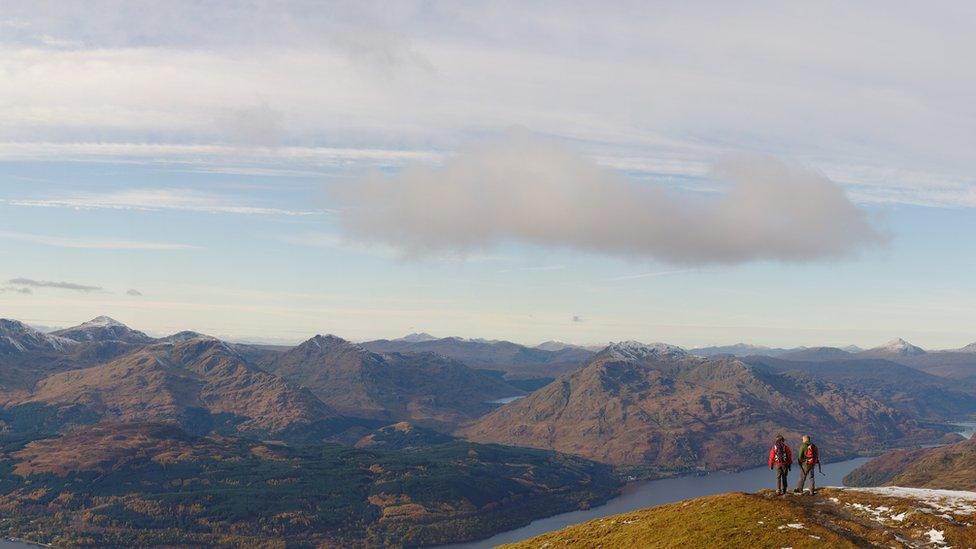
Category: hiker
<point>807,459</point>
<point>781,459</point>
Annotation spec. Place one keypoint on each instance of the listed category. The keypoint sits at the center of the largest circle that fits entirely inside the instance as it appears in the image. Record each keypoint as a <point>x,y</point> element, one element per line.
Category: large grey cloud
<point>50,284</point>
<point>523,188</point>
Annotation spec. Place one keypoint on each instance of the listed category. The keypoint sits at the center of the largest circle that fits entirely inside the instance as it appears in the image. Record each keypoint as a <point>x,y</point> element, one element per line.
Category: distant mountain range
<point>514,360</point>
<point>661,407</point>
<point>426,388</point>
<point>150,421</point>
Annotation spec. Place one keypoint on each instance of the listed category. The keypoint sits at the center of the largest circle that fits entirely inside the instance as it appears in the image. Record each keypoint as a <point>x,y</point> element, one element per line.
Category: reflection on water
<point>967,428</point>
<point>656,492</point>
<point>506,400</point>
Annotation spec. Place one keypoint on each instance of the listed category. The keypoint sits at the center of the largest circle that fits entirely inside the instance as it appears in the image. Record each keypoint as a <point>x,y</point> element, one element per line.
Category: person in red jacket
<point>781,459</point>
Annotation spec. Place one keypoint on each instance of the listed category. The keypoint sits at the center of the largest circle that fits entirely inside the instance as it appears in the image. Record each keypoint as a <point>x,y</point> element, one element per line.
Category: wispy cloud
<point>16,290</point>
<point>522,188</point>
<point>49,284</point>
<point>535,268</point>
<point>133,292</point>
<point>653,274</point>
<point>90,243</point>
<point>156,200</point>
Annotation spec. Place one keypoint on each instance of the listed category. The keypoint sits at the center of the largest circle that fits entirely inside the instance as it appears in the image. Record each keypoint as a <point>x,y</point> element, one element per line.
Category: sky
<point>779,173</point>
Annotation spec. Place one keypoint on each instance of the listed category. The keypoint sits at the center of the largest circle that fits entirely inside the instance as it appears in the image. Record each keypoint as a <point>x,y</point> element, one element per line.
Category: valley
<point>111,436</point>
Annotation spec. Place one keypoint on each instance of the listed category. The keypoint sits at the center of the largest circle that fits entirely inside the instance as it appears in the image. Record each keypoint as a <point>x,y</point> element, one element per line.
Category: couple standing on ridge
<point>781,459</point>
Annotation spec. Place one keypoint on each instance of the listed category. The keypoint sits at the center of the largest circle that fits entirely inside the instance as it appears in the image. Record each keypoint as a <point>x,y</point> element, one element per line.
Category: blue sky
<point>526,172</point>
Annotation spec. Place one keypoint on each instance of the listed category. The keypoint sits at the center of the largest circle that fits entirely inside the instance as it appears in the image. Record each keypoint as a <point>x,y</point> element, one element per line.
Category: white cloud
<point>525,189</point>
<point>90,243</point>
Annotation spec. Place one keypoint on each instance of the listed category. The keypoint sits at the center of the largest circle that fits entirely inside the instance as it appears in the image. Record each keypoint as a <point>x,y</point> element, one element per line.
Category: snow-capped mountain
<point>185,335</point>
<point>971,348</point>
<point>103,328</point>
<point>897,347</point>
<point>738,349</point>
<point>417,337</point>
<point>635,350</point>
<point>17,337</point>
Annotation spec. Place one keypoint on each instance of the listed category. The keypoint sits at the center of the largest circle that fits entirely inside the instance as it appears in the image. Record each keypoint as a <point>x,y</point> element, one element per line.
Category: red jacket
<point>789,456</point>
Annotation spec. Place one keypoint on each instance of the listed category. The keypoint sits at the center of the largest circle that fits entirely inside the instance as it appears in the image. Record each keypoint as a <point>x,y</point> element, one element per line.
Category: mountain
<point>815,354</point>
<point>17,338</point>
<point>103,328</point>
<point>951,467</point>
<point>557,346</point>
<point>659,407</point>
<point>424,388</point>
<point>894,348</point>
<point>517,361</point>
<point>951,364</point>
<point>27,355</point>
<point>198,383</point>
<point>148,484</point>
<point>417,337</point>
<point>906,389</point>
<point>833,518</point>
<point>739,349</point>
<point>971,348</point>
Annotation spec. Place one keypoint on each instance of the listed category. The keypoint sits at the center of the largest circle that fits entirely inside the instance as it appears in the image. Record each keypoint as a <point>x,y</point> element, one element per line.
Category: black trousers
<point>782,471</point>
<point>806,469</point>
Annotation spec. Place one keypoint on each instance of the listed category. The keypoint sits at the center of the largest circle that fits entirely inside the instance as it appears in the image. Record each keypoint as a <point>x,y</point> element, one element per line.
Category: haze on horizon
<point>779,175</point>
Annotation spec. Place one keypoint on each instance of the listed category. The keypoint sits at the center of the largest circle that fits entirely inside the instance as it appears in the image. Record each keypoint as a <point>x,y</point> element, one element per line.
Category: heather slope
<point>179,381</point>
<point>951,467</point>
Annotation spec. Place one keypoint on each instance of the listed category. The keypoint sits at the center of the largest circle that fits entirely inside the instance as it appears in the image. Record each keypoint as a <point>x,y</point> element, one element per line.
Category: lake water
<point>657,492</point>
<point>13,544</point>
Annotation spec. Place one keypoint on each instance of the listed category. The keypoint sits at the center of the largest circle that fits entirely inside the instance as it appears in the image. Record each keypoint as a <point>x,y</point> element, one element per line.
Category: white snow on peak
<point>417,337</point>
<point>635,350</point>
<point>102,322</point>
<point>900,346</point>
<point>23,338</point>
<point>971,348</point>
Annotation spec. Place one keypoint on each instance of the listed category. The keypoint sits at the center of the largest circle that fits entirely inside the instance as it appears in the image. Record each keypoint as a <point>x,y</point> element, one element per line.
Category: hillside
<point>425,388</point>
<point>152,484</point>
<point>951,467</point>
<point>196,382</point>
<point>906,389</point>
<point>833,518</point>
<point>517,361</point>
<point>656,406</point>
<point>951,364</point>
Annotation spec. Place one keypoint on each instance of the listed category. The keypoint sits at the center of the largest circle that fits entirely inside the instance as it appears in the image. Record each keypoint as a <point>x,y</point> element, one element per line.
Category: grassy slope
<point>829,519</point>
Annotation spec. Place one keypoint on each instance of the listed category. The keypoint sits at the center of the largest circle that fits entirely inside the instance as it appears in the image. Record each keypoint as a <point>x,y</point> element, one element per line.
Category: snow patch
<point>635,350</point>
<point>958,502</point>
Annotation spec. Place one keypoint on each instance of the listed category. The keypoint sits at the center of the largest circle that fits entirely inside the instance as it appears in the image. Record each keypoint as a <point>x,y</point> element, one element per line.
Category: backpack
<point>813,454</point>
<point>780,452</point>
